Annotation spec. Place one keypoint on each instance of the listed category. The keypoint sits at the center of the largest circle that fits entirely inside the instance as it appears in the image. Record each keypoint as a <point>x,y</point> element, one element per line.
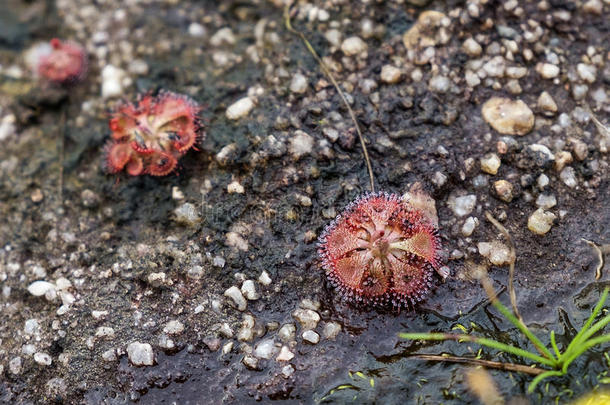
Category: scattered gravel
<point>173,327</point>
<point>497,252</point>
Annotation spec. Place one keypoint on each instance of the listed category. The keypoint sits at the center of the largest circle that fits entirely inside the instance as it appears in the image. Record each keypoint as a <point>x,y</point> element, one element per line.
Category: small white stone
<point>235,240</point>
<point>586,72</point>
<point>546,103</point>
<point>173,327</point>
<point>165,342</point>
<point>353,46</point>
<point>264,278</point>
<point>266,349</point>
<point>300,144</point>
<point>236,298</point>
<point>104,332</point>
<point>248,289</point>
<point>223,36</point>
<point>311,337</point>
<point>547,70</point>
<point>40,288</point>
<point>31,327</point>
<point>187,214</point>
<point>462,206</point>
<point>568,176</point>
<point>287,370</point>
<point>7,126</point>
<point>235,187</point>
<point>439,84</point>
<point>99,314</point>
<point>240,108</point>
<point>331,330</point>
<point>140,354</point>
<point>546,201</point>
<point>472,79</point>
<point>472,47</point>
<point>540,221</point>
<point>298,84</point>
<point>497,252</point>
<point>196,30</point>
<point>469,225</point>
<point>507,116</point>
<point>390,74</point>
<point>495,67</point>
<point>109,355</point>
<point>307,318</point>
<point>287,332</point>
<point>112,82</point>
<point>285,354</point>
<point>15,365</point>
<point>333,36</point>
<point>43,359</point>
<point>490,163</point>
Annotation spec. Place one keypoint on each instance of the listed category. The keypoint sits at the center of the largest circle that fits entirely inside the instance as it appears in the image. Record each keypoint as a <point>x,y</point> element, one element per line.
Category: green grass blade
<point>583,348</point>
<point>541,377</point>
<point>554,344</point>
<point>504,311</point>
<point>482,341</point>
<point>580,336</point>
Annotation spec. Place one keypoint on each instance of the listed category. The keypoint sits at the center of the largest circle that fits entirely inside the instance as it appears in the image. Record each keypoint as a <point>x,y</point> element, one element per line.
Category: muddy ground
<point>129,258</point>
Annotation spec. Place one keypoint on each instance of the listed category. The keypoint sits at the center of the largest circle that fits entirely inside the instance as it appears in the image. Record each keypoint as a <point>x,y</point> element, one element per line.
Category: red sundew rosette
<point>151,136</point>
<point>380,251</point>
<point>66,63</point>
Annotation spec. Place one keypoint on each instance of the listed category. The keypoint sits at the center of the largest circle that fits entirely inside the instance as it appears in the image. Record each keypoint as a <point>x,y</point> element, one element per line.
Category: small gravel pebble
<point>140,354</point>
<point>15,365</point>
<point>306,317</point>
<point>311,337</point>
<point>264,278</point>
<point>173,327</point>
<point>462,206</point>
<point>497,252</point>
<point>236,298</point>
<point>187,214</point>
<point>287,332</point>
<point>112,82</point>
<point>504,190</point>
<point>546,201</point>
<point>490,163</point>
<point>43,359</point>
<point>285,354</point>
<point>472,47</point>
<point>507,116</point>
<point>298,84</point>
<point>568,176</point>
<point>540,221</point>
<point>331,330</point>
<point>266,349</point>
<point>40,288</point>
<point>240,108</point>
<point>546,104</point>
<point>353,46</point>
<point>250,362</point>
<point>248,289</point>
<point>300,144</point>
<point>547,70</point>
<point>390,74</point>
<point>469,225</point>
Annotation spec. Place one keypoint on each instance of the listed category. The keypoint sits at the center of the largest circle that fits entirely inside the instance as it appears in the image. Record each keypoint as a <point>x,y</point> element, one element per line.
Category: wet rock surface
<point>207,284</point>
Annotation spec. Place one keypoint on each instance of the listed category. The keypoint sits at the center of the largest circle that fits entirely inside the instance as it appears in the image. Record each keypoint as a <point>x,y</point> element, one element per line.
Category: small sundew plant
<point>552,361</point>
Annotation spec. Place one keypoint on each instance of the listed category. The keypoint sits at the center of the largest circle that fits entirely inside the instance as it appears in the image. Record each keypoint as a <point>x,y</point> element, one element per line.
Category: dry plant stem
<point>479,362</point>
<point>600,250</point>
<point>511,268</point>
<point>336,85</point>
